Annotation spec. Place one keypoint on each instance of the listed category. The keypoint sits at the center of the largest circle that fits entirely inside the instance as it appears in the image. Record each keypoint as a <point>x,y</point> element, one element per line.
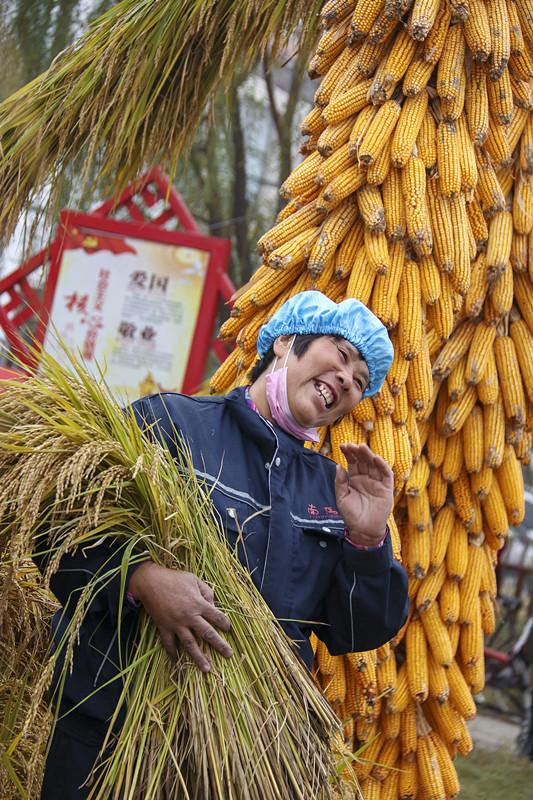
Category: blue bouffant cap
<point>313,312</point>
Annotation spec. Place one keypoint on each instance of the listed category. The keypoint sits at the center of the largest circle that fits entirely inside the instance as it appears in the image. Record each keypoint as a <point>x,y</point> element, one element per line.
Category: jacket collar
<point>253,424</point>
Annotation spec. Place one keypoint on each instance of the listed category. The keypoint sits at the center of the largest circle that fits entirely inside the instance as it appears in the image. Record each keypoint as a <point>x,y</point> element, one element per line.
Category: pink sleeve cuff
<point>362,546</point>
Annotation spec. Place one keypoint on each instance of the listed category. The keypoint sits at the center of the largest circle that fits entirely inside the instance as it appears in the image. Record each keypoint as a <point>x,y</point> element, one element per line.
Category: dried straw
<point>255,727</point>
<point>131,92</point>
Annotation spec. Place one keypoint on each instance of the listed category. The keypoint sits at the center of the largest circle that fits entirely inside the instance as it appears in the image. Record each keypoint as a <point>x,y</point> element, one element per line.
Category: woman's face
<point>326,382</point>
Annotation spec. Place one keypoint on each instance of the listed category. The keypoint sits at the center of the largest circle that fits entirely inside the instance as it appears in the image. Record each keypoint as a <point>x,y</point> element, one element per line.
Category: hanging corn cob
<point>418,176</point>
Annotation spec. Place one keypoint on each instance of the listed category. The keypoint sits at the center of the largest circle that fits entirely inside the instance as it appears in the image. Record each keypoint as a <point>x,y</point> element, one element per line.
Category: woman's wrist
<point>364,542</point>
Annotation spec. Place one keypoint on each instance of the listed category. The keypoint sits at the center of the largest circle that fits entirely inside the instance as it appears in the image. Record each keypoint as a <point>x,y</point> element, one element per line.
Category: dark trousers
<point>74,749</point>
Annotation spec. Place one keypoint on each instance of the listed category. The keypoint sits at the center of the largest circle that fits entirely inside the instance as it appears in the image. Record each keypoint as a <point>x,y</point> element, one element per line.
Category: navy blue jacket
<point>281,497</point>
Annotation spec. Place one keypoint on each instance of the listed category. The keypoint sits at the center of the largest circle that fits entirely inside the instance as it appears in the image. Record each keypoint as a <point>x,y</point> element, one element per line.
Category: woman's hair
<point>299,348</point>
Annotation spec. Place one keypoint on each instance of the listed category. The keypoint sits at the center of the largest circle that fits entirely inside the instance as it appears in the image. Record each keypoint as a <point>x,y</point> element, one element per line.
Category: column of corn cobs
<point>415,196</point>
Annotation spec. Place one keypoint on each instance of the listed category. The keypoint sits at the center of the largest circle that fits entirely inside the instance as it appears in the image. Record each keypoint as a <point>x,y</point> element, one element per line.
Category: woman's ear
<point>281,345</point>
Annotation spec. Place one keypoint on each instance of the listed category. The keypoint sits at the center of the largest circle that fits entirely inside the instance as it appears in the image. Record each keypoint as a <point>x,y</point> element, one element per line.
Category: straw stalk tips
<point>132,90</point>
<point>75,469</point>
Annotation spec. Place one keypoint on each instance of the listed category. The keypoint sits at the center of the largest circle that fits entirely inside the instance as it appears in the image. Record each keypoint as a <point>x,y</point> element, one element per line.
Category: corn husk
<point>72,463</point>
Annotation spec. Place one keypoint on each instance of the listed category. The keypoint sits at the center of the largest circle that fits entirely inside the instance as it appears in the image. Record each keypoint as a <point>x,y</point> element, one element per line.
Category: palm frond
<point>132,90</point>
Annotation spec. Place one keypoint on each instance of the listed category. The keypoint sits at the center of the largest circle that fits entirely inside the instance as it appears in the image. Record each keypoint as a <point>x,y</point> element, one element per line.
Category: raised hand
<point>364,494</point>
<point>183,608</point>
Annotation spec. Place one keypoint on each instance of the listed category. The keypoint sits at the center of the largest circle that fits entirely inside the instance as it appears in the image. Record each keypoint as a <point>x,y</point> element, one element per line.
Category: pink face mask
<point>278,402</point>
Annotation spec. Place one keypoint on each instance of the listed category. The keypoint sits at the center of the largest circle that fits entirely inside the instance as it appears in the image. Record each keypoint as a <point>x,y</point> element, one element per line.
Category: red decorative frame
<point>22,302</point>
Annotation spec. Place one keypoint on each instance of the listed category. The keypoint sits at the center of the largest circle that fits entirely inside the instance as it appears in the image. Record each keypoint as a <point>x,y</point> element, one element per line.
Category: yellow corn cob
<point>457,552</point>
<point>498,142</point>
<point>519,252</point>
<point>419,382</point>
<point>475,676</point>
<point>383,400</point>
<point>481,482</point>
<point>341,65</point>
<point>288,255</point>
<point>521,64</point>
<point>417,76</point>
<point>469,588</point>
<point>408,780</point>
<point>488,388</point>
<point>361,278</point>
<point>467,158</point>
<point>501,293</point>
<point>388,756</point>
<point>471,642</point>
<point>340,188</point>
<point>399,415</point>
<point>523,288</point>
<point>334,136</point>
<point>488,576</point>
<point>460,694</point>
<point>451,63</point>
<point>426,142</point>
<point>430,286</point>
<point>523,204</point>
<point>416,210</point>
<point>398,701</point>
<point>430,587</point>
<point>364,16</point>
<point>434,42</point>
<point>449,602</point>
<point>477,30</point>
<point>227,373</point>
<point>495,515</point>
<point>477,104</point>
<point>489,191</point>
<point>440,315</point>
<point>473,441</point>
<point>448,159</point>
<point>488,617</point>
<point>335,688</point>
<point>378,171</point>
<point>510,382</point>
<point>437,636</point>
<point>334,11</point>
<point>526,147</point>
<point>334,165</point>
<point>300,181</point>
<point>408,735</point>
<point>522,93</point>
<point>494,433</point>
<point>361,124</point>
<point>445,720</point>
<point>511,482</point>
<point>464,500</point>
<point>419,477</point>
<point>500,36</point>
<point>451,109</point>
<point>303,220</point>
<point>386,677</point>
<point>348,249</point>
<point>460,274</point>
<point>500,94</point>
<point>419,515</point>
<point>477,222</point>
<point>390,724</point>
<point>392,68</point>
<point>456,383</point>
<point>438,676</point>
<point>368,57</point>
<point>429,776</point>
<point>394,205</point>
<point>313,124</point>
<point>382,29</point>
<point>441,222</point>
<point>454,349</point>
<point>346,104</point>
<point>332,232</point>
<point>408,127</point>
<point>381,439</point>
<point>523,341</point>
<point>329,47</point>
<point>422,18</point>
<point>364,412</point>
<point>435,446</point>
<point>371,208</point>
<point>378,132</point>
<point>478,353</point>
<point>477,290</point>
<point>416,660</point>
<point>382,301</point>
<point>447,770</point>
<point>525,15</point>
<point>410,324</point>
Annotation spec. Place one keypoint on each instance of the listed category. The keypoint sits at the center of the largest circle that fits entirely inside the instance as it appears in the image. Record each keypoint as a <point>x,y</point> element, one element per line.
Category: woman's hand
<point>183,608</point>
<point>364,494</point>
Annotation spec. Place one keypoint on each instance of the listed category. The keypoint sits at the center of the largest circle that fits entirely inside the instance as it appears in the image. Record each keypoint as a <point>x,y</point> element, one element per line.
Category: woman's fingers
<point>206,632</point>
<point>189,643</point>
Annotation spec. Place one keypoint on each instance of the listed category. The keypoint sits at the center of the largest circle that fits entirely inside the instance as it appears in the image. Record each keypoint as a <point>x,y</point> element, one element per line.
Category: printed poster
<point>129,307</point>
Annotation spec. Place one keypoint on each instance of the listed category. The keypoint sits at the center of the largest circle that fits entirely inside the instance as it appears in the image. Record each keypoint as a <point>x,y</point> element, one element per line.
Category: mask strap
<point>286,356</point>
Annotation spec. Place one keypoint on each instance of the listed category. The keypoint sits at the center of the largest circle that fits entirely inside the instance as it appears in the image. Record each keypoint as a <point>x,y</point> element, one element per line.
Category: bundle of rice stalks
<point>73,464</point>
<point>132,90</point>
<point>24,637</point>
